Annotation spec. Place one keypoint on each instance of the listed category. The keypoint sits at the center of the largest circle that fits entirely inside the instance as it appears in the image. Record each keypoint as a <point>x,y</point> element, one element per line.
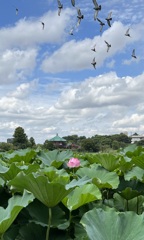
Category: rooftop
<point>57,139</point>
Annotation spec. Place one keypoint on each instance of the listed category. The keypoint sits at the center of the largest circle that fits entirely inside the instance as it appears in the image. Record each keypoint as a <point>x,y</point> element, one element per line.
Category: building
<point>136,138</point>
<point>58,141</point>
<point>10,140</point>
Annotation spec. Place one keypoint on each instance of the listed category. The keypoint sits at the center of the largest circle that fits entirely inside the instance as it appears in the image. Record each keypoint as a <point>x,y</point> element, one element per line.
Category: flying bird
<point>109,18</point>
<point>133,54</point>
<point>80,16</point>
<point>101,24</point>
<point>97,8</point>
<point>93,48</point>
<point>60,6</point>
<point>43,25</point>
<point>94,63</point>
<point>127,33</point>
<point>73,3</point>
<point>71,31</point>
<point>108,45</point>
<point>17,11</point>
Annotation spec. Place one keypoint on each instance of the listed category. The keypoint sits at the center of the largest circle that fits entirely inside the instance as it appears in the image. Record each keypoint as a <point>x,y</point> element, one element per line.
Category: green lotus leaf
<point>55,175</point>
<point>135,173</point>
<point>109,161</point>
<point>49,193</point>
<point>3,162</point>
<point>129,193</point>
<point>39,213</point>
<point>138,151</point>
<point>138,161</point>
<point>129,149</point>
<point>125,164</point>
<point>100,176</point>
<point>15,205</point>
<point>2,182</point>
<point>111,225</point>
<point>11,233</point>
<point>135,204</point>
<point>81,195</point>
<point>54,158</point>
<point>80,233</point>
<point>32,231</point>
<point>8,173</point>
<point>80,182</point>
<point>22,155</point>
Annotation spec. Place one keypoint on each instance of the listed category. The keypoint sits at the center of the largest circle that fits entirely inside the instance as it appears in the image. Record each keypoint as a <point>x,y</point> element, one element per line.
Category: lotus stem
<point>49,224</point>
<point>137,205</point>
<point>127,205</point>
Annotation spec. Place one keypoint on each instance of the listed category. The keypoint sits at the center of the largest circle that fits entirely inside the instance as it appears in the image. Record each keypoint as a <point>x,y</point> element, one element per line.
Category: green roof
<point>57,139</point>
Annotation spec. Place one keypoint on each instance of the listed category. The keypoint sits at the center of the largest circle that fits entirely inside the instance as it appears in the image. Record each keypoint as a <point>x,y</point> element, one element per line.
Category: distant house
<point>73,146</point>
<point>10,140</point>
<point>136,138</point>
<point>58,141</point>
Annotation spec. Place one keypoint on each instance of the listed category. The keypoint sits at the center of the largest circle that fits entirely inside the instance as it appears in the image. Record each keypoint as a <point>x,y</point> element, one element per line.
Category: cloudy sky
<point>47,82</point>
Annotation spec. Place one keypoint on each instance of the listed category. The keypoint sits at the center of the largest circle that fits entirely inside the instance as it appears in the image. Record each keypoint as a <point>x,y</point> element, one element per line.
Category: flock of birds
<point>96,8</point>
<point>80,16</point>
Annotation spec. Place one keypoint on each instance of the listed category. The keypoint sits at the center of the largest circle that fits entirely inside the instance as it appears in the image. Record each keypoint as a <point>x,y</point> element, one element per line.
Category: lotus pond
<point>61,195</point>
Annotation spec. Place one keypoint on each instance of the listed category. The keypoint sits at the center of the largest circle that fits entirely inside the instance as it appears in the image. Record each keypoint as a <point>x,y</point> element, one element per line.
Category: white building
<point>136,138</point>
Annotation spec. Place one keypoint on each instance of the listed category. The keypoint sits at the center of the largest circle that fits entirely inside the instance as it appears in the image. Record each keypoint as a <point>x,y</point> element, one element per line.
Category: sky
<point>47,82</point>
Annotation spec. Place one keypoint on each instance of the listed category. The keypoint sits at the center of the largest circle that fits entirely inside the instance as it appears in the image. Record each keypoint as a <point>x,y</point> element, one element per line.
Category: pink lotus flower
<point>73,163</point>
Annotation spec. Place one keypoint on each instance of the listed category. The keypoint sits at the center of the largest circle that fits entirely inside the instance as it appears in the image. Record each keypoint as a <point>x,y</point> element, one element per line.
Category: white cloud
<point>105,104</point>
<point>28,31</point>
<point>16,64</point>
<point>24,89</point>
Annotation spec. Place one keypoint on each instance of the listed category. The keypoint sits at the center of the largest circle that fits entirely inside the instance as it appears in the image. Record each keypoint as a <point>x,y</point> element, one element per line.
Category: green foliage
<point>49,193</point>
<point>48,145</point>
<point>32,142</point>
<point>20,139</point>
<point>90,145</point>
<point>15,204</point>
<point>112,225</point>
<point>6,146</point>
<point>41,198</point>
<point>54,158</point>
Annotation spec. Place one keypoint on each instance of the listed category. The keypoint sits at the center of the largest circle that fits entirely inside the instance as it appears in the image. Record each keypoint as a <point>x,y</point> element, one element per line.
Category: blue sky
<point>47,82</point>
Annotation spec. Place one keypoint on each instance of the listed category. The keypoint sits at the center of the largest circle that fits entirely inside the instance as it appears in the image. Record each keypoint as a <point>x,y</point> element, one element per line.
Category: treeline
<point>101,142</point>
<point>80,143</point>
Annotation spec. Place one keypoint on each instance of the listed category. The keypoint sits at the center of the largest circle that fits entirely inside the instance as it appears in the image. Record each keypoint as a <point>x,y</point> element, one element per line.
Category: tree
<point>6,146</point>
<point>20,138</point>
<point>89,145</point>
<point>48,145</point>
<point>115,145</point>
<point>32,142</point>
<point>140,143</point>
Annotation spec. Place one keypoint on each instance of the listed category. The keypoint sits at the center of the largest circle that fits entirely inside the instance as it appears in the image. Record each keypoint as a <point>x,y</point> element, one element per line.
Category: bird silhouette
<point>133,54</point>
<point>97,8</point>
<point>94,63</point>
<point>73,3</point>
<point>108,45</point>
<point>43,25</point>
<point>127,33</point>
<point>93,48</point>
<point>17,11</point>
<point>101,24</point>
<point>60,6</point>
<point>71,31</point>
<point>109,18</point>
<point>80,16</point>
